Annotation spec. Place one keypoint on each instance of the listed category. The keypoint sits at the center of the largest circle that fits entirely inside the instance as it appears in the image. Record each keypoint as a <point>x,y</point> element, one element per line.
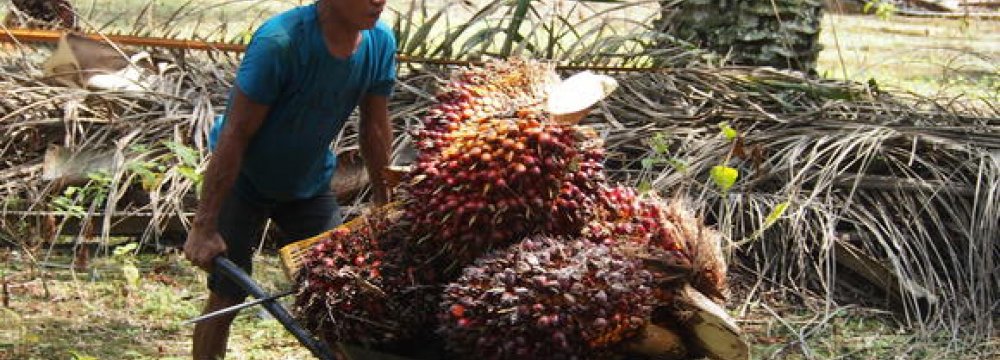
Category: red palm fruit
<point>366,286</point>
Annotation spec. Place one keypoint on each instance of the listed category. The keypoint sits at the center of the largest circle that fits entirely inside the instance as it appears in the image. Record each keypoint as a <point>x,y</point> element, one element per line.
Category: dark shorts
<point>241,224</point>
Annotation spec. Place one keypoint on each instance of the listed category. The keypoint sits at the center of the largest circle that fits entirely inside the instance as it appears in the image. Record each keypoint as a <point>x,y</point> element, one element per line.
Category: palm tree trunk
<point>778,33</point>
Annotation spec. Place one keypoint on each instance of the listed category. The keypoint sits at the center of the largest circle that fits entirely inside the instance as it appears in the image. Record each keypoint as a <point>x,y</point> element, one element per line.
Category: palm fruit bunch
<point>703,245</point>
<point>492,167</point>
<point>365,285</point>
<point>477,93</point>
<point>546,298</point>
<point>675,244</point>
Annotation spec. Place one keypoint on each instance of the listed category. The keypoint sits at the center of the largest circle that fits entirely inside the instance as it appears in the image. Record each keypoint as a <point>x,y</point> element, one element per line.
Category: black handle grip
<point>237,275</point>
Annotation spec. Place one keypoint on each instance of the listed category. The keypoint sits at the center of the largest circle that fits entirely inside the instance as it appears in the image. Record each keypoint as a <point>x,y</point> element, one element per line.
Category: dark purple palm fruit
<point>366,286</point>
<point>546,298</point>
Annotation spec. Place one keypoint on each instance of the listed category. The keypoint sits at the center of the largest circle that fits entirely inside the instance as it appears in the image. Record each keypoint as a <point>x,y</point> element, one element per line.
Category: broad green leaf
<point>186,154</point>
<point>131,274</point>
<point>189,173</point>
<point>728,131</point>
<point>724,176</point>
<point>776,213</point>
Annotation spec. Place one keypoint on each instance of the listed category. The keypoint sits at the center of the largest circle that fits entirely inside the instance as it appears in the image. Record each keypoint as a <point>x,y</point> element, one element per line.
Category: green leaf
<point>419,38</point>
<point>724,176</point>
<point>647,163</point>
<point>728,131</point>
<point>100,177</point>
<point>677,164</point>
<point>644,187</point>
<point>189,173</point>
<point>131,274</point>
<point>246,36</point>
<point>660,143</point>
<point>187,155</point>
<point>775,214</point>
<point>515,24</point>
<point>125,249</point>
<point>79,356</point>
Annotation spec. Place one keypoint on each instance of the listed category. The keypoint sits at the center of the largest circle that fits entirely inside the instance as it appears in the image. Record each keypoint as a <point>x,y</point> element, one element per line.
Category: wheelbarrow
<point>270,303</point>
<point>318,348</point>
<point>292,256</point>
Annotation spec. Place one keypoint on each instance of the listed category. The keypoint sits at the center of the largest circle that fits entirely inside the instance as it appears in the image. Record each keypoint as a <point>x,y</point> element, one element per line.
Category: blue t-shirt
<point>311,93</point>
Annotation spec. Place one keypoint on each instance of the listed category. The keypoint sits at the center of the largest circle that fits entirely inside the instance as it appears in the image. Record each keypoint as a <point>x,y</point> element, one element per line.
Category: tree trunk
<point>779,33</point>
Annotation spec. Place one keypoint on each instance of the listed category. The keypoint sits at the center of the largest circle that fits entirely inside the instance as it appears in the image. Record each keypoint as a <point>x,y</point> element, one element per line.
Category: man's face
<point>359,14</point>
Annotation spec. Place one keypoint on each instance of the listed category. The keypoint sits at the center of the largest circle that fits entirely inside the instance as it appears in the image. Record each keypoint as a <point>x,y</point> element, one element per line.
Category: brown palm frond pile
<point>827,171</point>
<point>140,150</point>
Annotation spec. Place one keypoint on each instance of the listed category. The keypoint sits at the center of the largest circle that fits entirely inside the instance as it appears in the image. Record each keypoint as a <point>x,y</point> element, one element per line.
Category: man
<point>303,73</point>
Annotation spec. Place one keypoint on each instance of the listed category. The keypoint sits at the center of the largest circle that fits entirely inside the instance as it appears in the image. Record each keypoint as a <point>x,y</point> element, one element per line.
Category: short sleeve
<point>263,69</point>
<point>385,78</point>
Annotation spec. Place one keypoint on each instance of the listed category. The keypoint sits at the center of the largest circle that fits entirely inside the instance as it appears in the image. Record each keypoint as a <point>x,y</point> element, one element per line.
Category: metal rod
<point>235,308</point>
<point>235,273</point>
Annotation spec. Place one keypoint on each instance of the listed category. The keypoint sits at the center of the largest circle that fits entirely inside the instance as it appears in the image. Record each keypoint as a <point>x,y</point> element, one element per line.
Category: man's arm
<point>375,138</point>
<point>245,116</point>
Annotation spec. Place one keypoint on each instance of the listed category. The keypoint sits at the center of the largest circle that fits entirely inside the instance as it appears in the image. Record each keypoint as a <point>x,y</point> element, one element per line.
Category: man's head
<point>354,14</point>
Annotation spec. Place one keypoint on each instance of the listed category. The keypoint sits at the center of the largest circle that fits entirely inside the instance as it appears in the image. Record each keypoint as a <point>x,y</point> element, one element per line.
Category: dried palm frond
<point>910,181</point>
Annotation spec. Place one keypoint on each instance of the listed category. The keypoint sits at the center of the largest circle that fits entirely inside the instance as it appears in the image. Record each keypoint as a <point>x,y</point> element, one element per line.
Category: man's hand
<point>202,246</point>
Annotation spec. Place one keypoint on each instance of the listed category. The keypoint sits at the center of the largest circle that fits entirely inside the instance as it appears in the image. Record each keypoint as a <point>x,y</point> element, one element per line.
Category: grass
<point>57,313</point>
<point>931,57</point>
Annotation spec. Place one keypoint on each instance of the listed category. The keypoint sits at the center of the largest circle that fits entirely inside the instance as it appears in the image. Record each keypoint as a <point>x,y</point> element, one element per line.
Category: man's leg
<point>240,224</point>
<point>212,335</point>
<point>301,219</point>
